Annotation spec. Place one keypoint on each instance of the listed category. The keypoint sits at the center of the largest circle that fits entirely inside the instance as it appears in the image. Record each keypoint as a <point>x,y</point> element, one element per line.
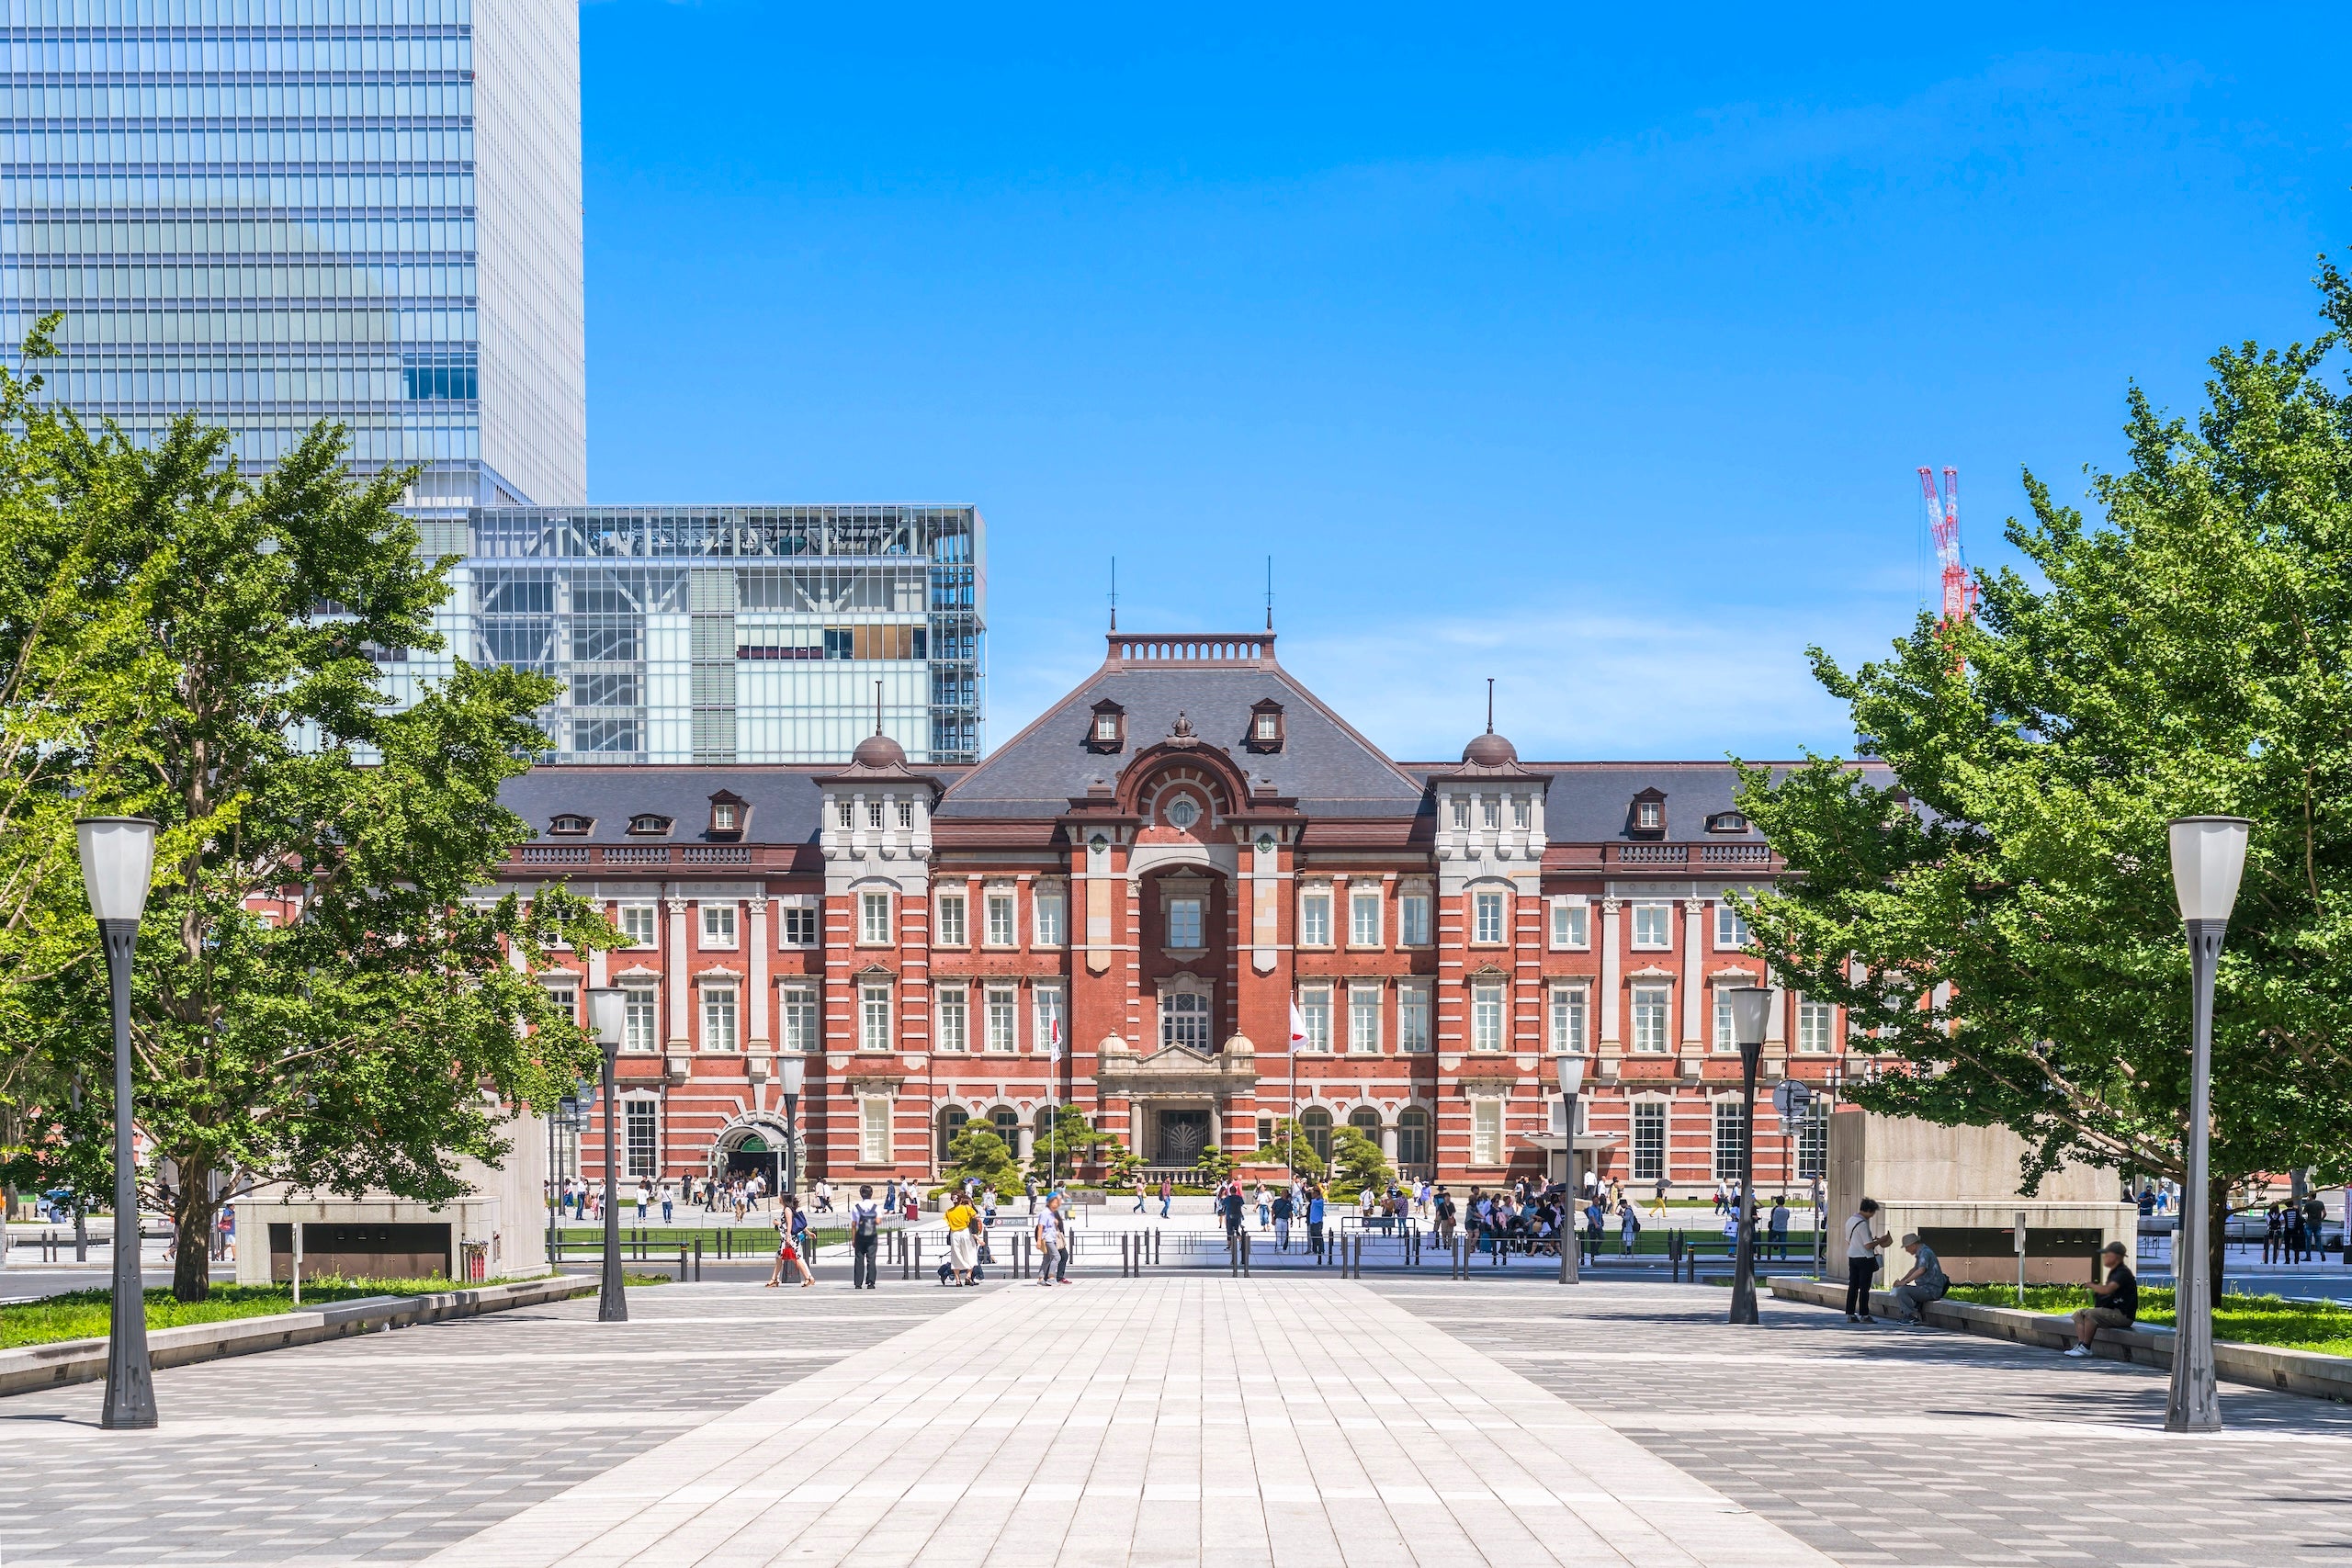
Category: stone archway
<point>757,1141</point>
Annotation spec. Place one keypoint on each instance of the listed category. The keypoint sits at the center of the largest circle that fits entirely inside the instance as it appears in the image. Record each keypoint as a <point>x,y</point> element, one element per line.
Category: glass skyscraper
<point>277,212</point>
<point>724,634</point>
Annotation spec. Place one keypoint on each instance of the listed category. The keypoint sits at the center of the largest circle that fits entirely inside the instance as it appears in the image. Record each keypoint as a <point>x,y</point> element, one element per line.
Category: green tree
<point>977,1154</point>
<point>2002,917</point>
<point>1357,1164</point>
<point>322,999</point>
<point>1068,1139</point>
<point>1215,1164</point>
<point>1292,1145</point>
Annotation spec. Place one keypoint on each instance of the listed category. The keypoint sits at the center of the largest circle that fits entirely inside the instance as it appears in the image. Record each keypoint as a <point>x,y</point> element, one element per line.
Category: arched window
<point>1365,1120</point>
<point>1412,1136</point>
<point>1316,1122</point>
<point>950,1122</point>
<point>1184,1021</point>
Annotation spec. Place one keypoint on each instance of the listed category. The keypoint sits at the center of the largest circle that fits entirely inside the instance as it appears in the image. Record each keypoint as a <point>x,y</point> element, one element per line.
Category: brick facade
<point>1184,856</point>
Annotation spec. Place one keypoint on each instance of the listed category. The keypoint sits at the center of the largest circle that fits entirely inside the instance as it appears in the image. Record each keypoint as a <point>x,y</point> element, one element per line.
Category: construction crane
<point>1943,522</point>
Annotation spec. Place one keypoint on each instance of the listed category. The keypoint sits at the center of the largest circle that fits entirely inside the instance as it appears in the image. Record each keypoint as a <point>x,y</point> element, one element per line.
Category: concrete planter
<point>33,1366</point>
<point>2256,1366</point>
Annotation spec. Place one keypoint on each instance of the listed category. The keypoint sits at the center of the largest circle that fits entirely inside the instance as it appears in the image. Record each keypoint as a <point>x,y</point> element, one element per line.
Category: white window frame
<point>1653,927</point>
<point>1050,915</point>
<point>1489,917</point>
<point>1365,998</point>
<point>1170,1014</point>
<point>1724,1032</point>
<point>1652,1015</point>
<point>1490,1015</point>
<point>1817,1028</point>
<point>1001,909</point>
<point>642,1109</point>
<point>1570,1012</point>
<point>955,920</point>
<point>1642,1113</point>
<point>873,918</point>
<point>1413,924</point>
<point>1519,813</point>
<point>1727,1128</point>
<point>1732,934</point>
<point>1000,1018</point>
<point>640,1019</point>
<point>1571,925</point>
<point>1045,1009</point>
<point>1198,905</point>
<point>874,1131</point>
<point>801,921</point>
<point>720,930</point>
<point>874,1025</point>
<point>1415,1017</point>
<point>953,1010</point>
<point>721,1017</point>
<point>1486,1131</point>
<point>1364,922</point>
<point>641,923</point>
<point>1314,1016</point>
<point>1314,915</point>
<point>800,1018</point>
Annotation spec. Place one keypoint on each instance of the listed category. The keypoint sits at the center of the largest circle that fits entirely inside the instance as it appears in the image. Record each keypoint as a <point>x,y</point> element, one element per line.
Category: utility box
<point>1958,1188</point>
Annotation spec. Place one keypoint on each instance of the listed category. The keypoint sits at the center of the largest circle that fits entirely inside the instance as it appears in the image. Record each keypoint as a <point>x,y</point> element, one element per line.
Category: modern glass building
<point>277,212</point>
<point>726,634</point>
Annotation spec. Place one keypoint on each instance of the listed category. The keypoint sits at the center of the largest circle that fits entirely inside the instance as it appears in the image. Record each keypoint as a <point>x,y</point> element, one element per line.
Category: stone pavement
<point>1884,1445</point>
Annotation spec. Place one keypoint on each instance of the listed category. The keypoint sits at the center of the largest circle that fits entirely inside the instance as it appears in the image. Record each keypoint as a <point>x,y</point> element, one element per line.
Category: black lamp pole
<point>1750,1010</point>
<point>609,1017</point>
<point>118,862</point>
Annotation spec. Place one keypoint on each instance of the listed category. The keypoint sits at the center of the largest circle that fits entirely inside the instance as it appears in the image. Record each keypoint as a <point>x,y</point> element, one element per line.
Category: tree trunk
<point>193,1213</point>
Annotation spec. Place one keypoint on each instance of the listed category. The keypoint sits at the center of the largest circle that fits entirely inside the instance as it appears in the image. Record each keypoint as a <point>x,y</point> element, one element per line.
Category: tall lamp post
<point>789,1076</point>
<point>118,862</point>
<point>608,1013</point>
<point>2208,857</point>
<point>1571,1243</point>
<point>1752,1011</point>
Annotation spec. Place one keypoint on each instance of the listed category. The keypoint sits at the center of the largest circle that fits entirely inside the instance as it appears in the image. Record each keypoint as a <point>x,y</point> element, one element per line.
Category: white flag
<point>1297,1028</point>
<point>1054,1040</point>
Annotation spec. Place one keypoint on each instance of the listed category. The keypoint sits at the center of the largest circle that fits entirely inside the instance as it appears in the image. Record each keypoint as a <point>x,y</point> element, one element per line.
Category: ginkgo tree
<point>1999,918</point>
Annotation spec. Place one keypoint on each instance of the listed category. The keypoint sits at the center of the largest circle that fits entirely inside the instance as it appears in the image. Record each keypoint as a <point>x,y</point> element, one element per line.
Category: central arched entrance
<point>752,1145</point>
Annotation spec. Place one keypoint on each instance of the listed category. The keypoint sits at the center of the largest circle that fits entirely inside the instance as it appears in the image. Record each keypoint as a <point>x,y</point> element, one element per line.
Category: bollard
<point>1245,1254</point>
<point>697,1261</point>
<point>1126,1257</point>
<point>1461,1264</point>
<point>1232,1255</point>
<point>1154,1246</point>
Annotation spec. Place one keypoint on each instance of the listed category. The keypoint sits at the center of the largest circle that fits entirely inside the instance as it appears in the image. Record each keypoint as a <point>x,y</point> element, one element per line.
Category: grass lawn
<point>749,1241</point>
<point>2249,1320</point>
<point>84,1314</point>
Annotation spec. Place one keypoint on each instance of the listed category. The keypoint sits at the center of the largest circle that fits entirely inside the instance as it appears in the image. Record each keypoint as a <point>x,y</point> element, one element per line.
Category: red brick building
<point>1186,856</point>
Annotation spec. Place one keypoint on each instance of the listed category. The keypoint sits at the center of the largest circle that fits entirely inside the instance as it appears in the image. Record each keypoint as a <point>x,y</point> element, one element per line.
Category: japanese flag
<point>1297,1028</point>
<point>1054,1041</point>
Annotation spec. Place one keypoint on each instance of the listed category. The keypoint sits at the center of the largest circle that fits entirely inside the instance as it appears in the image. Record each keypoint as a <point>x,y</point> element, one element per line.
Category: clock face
<point>1182,812</point>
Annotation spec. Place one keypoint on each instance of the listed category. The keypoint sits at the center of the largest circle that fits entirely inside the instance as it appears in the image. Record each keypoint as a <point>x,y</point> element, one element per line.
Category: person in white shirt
<point>1053,1253</point>
<point>1864,1241</point>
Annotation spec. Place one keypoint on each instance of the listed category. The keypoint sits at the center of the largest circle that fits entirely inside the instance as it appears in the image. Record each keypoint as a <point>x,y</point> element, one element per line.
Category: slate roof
<point>1327,765</point>
<point>783,801</point>
<point>1591,803</point>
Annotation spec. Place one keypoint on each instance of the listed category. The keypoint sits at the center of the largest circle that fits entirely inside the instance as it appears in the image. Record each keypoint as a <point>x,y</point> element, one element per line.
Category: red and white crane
<point>1943,522</point>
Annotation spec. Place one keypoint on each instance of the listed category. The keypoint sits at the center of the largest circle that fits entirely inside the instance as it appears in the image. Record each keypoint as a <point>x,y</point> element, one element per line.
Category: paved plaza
<point>1181,1417</point>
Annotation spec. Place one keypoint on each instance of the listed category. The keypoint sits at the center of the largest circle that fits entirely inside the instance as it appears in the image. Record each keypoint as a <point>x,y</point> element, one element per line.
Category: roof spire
<point>1115,593</point>
<point>877,707</point>
<point>1270,594</point>
<point>1491,705</point>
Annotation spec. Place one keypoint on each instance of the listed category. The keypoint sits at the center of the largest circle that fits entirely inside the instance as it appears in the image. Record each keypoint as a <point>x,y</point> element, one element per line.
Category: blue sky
<point>1594,355</point>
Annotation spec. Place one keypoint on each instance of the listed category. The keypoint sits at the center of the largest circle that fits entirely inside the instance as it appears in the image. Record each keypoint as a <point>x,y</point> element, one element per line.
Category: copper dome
<point>1490,750</point>
<point>880,750</point>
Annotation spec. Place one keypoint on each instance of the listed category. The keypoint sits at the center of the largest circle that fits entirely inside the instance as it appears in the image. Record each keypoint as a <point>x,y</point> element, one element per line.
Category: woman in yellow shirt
<point>963,1237</point>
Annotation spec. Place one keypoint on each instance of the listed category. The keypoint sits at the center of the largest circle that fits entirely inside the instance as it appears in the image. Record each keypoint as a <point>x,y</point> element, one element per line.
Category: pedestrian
<point>1864,1241</point>
<point>669,1192</point>
<point>1282,1211</point>
<point>1448,1217</point>
<point>1139,1195</point>
<point>1629,1228</point>
<point>1167,1196</point>
<point>890,1195</point>
<point>1594,1218</point>
<point>1265,1212</point>
<point>1925,1282</point>
<point>865,1237</point>
<point>823,1193</point>
<point>1053,1245</point>
<point>2117,1304</point>
<point>963,1237</point>
<point>790,1242</point>
<point>1779,1226</point>
<point>642,1195</point>
<point>1315,1219</point>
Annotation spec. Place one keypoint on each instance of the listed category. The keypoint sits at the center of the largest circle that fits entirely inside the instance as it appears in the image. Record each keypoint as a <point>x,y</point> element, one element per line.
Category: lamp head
<point>1751,1014</point>
<point>2208,857</point>
<point>118,863</point>
<point>790,1075</point>
<point>1571,1075</point>
<point>608,1013</point>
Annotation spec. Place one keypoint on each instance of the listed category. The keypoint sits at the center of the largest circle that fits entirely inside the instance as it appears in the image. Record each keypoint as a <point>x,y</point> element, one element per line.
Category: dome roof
<point>879,750</point>
<point>1490,750</point>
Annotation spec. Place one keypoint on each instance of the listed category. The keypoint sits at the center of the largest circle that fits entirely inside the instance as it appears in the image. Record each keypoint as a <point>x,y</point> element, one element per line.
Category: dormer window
<point>1727,822</point>
<point>1648,818</point>
<point>570,824</point>
<point>646,824</point>
<point>1109,730</point>
<point>1265,726</point>
<point>729,813</point>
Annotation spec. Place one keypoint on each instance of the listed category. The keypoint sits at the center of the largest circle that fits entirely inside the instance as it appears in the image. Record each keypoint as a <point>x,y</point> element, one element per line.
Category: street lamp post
<point>118,862</point>
<point>1752,1011</point>
<point>789,1075</point>
<point>2208,857</point>
<point>1571,1085</point>
<point>608,1012</point>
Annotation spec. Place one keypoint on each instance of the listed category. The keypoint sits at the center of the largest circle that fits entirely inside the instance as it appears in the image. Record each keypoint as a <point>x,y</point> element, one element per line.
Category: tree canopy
<point>2000,915</point>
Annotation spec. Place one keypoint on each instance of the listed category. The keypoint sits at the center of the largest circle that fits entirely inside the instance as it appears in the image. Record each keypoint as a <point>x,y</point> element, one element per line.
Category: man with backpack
<point>865,1237</point>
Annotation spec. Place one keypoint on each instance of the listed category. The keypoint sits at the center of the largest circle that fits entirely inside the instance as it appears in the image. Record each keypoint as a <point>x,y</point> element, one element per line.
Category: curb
<point>2307,1372</point>
<point>31,1367</point>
